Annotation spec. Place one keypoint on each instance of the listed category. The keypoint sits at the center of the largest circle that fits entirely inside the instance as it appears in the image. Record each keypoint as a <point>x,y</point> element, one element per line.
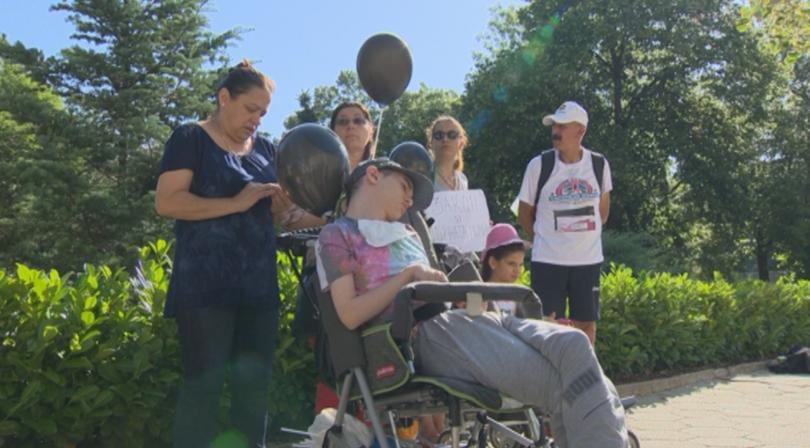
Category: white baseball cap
<point>568,112</point>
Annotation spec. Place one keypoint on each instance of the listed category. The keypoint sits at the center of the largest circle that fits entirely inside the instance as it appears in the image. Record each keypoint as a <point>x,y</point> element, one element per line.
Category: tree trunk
<point>762,253</point>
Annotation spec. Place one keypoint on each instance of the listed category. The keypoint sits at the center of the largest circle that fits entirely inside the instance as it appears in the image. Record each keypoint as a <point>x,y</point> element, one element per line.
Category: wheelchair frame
<point>352,361</point>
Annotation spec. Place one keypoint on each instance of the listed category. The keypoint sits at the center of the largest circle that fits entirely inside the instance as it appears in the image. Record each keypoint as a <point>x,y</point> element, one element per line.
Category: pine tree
<point>139,69</point>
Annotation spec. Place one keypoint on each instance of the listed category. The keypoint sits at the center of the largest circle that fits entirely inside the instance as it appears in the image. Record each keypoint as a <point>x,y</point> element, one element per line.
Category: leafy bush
<point>292,388</point>
<point>88,359</point>
<point>660,322</point>
<point>637,250</point>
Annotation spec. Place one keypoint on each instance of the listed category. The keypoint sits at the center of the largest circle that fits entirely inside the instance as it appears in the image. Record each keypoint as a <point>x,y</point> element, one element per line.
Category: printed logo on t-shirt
<point>575,220</point>
<point>573,190</point>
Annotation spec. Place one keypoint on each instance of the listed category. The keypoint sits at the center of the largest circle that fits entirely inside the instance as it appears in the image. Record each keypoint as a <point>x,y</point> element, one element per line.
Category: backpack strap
<point>547,159</point>
<point>598,162</point>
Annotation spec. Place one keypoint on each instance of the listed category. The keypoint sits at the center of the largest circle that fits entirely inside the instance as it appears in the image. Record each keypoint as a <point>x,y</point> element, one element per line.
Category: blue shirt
<point>230,260</point>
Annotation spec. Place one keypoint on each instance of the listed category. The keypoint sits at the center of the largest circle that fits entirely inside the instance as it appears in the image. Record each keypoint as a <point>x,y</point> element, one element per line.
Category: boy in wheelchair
<point>367,256</point>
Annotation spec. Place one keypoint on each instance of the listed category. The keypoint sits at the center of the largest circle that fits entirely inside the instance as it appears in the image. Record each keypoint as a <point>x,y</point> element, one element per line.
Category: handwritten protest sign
<point>461,219</point>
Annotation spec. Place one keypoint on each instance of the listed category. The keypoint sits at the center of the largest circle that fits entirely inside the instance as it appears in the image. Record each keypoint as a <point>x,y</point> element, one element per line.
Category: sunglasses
<point>451,135</point>
<point>358,121</point>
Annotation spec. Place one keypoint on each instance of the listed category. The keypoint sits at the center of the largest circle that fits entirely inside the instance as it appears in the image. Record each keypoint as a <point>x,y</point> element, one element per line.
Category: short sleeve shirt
<point>568,222</point>
<point>343,250</point>
<point>229,260</point>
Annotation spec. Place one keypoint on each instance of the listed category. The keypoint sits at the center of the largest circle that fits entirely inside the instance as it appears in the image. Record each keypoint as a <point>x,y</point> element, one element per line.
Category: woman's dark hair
<point>498,253</point>
<point>370,150</point>
<point>243,77</point>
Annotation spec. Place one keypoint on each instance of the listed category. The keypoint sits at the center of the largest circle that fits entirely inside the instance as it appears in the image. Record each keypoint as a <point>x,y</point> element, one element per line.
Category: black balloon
<point>312,164</point>
<point>384,67</point>
<point>413,156</point>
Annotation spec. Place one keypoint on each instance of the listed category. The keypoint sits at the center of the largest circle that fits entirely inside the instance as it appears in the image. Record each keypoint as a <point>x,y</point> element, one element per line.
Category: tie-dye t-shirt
<point>343,250</point>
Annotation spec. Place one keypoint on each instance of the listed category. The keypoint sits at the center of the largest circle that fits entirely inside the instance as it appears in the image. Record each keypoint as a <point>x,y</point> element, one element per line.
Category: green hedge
<point>88,358</point>
<point>660,322</point>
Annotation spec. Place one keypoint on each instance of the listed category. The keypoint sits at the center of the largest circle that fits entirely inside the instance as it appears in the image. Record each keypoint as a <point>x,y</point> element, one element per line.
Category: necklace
<point>450,182</point>
<point>225,144</point>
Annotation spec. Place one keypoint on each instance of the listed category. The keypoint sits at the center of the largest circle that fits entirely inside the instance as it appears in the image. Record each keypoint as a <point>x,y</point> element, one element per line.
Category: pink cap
<point>502,235</point>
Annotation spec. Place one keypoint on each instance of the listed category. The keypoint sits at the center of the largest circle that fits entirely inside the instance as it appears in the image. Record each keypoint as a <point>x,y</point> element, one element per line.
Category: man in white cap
<point>563,202</point>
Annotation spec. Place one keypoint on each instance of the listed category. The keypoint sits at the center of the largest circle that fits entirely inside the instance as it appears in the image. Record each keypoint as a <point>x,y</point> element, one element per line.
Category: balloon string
<point>379,127</point>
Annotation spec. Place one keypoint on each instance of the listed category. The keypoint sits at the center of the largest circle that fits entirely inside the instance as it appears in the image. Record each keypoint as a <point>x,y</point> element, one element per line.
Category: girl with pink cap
<point>502,261</point>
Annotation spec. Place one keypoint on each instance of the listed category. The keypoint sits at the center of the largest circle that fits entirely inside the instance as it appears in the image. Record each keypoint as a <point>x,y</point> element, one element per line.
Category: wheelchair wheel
<point>498,440</point>
<point>446,438</point>
<point>634,442</point>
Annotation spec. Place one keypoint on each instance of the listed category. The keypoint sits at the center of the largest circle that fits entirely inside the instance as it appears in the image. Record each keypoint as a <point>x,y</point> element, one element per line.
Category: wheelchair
<point>373,366</point>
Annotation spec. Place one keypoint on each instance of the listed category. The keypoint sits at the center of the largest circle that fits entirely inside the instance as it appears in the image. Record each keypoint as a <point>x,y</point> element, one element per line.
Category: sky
<point>305,43</point>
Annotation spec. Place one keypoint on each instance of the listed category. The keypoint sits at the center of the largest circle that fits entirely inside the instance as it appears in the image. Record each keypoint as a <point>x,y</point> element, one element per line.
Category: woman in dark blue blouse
<point>218,181</point>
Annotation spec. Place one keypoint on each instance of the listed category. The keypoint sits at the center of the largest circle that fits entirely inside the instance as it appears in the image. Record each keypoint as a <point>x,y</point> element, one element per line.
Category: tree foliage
<point>675,94</point>
<point>317,107</point>
<point>39,172</point>
<point>785,180</point>
<point>404,119</point>
<point>137,70</point>
<point>785,23</point>
<point>700,106</point>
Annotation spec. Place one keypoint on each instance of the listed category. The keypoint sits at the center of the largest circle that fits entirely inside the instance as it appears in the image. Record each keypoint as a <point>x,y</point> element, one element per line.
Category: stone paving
<point>758,409</point>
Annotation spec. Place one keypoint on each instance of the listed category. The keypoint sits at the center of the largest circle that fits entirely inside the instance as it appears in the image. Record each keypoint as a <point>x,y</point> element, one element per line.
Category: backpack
<point>548,158</point>
<point>797,360</point>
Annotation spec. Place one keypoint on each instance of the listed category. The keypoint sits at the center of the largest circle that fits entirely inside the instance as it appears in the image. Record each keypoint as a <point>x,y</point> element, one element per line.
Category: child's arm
<point>354,310</point>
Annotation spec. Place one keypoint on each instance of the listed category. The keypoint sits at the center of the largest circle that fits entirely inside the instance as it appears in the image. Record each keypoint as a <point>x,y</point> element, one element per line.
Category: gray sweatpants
<point>539,363</point>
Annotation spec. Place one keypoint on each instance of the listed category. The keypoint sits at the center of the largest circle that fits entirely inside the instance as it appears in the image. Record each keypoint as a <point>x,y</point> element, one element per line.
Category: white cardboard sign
<point>461,219</point>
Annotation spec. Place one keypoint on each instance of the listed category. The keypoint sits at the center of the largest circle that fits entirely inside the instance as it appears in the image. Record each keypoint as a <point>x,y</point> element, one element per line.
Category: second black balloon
<point>312,165</point>
<point>384,67</point>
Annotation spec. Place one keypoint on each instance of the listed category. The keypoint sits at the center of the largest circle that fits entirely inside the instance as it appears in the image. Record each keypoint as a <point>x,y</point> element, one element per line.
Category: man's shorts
<point>579,284</point>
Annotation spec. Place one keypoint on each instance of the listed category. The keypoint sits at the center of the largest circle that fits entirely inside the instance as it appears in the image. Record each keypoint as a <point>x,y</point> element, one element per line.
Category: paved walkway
<point>758,409</point>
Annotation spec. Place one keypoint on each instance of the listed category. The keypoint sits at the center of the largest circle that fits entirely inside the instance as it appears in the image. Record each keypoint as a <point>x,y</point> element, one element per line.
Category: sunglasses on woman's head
<point>451,135</point>
<point>358,121</point>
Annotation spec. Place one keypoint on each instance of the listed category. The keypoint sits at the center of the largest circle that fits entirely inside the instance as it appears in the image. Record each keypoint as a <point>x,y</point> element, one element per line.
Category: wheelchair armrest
<point>297,241</point>
<point>451,292</point>
<point>440,292</point>
<point>465,272</point>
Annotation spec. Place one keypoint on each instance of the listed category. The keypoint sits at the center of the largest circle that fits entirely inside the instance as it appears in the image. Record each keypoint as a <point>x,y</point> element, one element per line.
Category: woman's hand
<point>174,199</point>
<point>281,200</point>
<point>253,192</point>
<point>288,214</point>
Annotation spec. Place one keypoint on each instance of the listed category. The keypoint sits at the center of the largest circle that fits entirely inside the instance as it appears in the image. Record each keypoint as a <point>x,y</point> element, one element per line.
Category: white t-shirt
<point>568,223</point>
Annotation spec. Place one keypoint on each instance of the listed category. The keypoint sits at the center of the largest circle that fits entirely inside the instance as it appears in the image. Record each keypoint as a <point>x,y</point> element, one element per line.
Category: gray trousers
<point>538,363</point>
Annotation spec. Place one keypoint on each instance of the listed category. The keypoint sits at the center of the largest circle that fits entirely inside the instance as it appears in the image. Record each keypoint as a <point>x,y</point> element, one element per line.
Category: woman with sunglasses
<point>446,141</point>
<point>351,121</point>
